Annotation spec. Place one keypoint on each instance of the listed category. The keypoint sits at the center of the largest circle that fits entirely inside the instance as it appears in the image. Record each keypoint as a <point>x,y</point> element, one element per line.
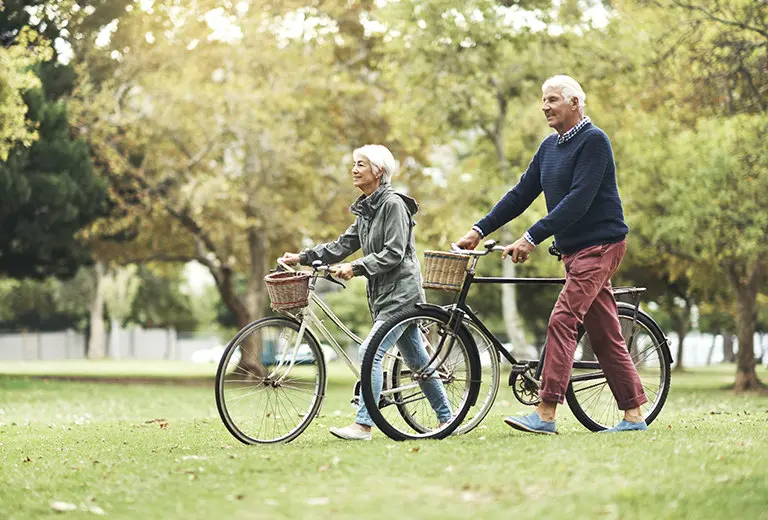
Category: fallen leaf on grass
<point>413,450</point>
<point>27,459</point>
<point>163,425</point>
<point>61,507</point>
<point>319,501</point>
<point>154,421</point>
<point>322,468</point>
<point>193,457</point>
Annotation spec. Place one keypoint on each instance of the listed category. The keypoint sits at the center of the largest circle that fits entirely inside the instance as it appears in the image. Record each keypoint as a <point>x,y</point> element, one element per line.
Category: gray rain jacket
<point>383,227</point>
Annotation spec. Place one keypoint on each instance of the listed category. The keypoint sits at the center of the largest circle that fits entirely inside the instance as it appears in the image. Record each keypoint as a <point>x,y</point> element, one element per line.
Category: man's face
<point>558,111</point>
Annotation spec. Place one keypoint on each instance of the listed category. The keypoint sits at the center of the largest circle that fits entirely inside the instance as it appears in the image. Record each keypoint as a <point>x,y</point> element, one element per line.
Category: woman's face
<point>363,176</point>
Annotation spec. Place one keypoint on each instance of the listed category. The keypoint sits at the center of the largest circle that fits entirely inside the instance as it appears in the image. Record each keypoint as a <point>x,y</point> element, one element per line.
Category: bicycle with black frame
<point>446,328</point>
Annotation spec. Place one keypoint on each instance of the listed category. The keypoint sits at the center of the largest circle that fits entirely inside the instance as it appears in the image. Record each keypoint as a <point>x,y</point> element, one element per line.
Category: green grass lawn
<point>160,451</point>
<point>109,368</point>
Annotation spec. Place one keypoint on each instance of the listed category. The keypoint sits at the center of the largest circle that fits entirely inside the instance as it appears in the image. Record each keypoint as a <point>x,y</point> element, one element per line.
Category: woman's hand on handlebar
<point>342,271</point>
<point>289,258</point>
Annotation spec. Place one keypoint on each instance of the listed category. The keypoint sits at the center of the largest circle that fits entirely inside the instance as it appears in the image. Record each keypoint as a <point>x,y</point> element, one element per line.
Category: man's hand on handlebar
<point>342,271</point>
<point>470,240</point>
<point>289,258</point>
<point>518,251</point>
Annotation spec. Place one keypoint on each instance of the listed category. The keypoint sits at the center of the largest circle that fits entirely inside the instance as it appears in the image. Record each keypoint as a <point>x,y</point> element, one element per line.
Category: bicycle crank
<point>525,386</point>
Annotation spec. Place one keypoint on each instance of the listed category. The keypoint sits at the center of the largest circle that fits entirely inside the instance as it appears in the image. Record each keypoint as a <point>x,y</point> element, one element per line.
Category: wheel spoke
<point>256,412</point>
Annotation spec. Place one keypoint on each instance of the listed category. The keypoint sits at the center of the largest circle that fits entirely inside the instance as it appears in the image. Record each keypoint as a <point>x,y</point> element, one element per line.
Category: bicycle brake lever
<point>334,280</point>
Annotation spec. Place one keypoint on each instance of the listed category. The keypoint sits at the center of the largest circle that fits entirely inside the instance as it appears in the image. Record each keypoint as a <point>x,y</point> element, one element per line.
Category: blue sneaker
<point>532,424</point>
<point>626,426</point>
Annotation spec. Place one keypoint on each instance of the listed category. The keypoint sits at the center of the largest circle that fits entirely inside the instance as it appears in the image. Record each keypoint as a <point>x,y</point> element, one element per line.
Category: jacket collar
<point>367,206</point>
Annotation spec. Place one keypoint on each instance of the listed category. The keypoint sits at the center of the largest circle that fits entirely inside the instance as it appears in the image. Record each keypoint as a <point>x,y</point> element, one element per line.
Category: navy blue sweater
<point>578,179</point>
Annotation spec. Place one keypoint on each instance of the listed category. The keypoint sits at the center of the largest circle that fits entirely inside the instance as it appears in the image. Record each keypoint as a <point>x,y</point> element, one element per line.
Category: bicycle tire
<point>235,425</point>
<point>472,382</point>
<point>577,398</point>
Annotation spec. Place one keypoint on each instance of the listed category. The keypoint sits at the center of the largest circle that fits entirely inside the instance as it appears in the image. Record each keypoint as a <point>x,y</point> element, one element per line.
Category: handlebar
<point>317,266</point>
<point>489,245</point>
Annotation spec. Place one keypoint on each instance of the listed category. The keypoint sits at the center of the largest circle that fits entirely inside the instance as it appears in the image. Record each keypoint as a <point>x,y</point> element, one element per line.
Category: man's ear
<point>574,103</point>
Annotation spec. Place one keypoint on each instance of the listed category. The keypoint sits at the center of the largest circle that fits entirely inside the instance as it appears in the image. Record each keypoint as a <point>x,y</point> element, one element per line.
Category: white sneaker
<point>351,433</point>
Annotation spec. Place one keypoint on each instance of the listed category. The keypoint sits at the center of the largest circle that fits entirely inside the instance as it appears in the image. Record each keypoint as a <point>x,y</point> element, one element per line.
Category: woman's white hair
<point>568,86</point>
<point>380,158</point>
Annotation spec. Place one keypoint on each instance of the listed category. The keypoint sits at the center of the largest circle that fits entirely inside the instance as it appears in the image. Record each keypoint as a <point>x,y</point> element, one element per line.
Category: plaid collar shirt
<point>573,131</point>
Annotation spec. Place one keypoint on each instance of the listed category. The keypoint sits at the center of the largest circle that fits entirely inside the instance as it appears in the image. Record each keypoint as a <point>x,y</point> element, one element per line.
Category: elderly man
<point>574,168</point>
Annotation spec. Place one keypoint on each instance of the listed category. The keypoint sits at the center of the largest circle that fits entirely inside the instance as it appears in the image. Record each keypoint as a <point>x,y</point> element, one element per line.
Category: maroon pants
<point>587,298</point>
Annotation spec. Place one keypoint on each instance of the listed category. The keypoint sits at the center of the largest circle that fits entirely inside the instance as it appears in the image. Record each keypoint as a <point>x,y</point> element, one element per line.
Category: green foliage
<point>16,62</point>
<point>48,192</point>
<point>161,303</point>
<point>45,305</point>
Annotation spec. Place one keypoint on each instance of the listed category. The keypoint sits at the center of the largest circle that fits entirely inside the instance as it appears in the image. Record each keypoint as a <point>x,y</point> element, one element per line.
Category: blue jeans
<point>415,355</point>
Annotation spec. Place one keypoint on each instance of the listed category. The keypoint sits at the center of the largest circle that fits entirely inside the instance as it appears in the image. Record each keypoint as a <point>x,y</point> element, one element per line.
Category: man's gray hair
<point>380,158</point>
<point>568,86</point>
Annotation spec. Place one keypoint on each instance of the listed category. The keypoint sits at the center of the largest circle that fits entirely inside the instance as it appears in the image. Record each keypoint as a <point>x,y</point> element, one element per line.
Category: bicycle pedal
<point>518,368</point>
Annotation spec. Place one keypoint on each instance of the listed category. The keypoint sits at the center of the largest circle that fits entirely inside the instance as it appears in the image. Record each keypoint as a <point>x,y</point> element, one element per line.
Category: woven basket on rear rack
<point>288,290</point>
<point>443,270</point>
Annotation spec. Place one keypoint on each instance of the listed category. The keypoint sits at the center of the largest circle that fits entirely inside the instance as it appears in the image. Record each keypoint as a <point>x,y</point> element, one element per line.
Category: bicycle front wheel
<point>404,410</point>
<point>589,397</point>
<point>490,380</point>
<point>270,383</point>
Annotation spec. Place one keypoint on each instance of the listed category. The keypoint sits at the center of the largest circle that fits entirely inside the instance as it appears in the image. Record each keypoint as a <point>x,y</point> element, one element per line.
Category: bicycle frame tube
<point>317,324</point>
<point>309,320</point>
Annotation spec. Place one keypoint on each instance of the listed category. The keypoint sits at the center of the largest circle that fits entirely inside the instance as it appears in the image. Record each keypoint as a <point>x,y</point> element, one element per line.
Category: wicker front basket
<point>288,290</point>
<point>443,270</point>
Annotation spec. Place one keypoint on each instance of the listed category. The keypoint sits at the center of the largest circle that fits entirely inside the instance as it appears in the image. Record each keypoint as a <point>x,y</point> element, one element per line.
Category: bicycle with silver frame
<point>271,379</point>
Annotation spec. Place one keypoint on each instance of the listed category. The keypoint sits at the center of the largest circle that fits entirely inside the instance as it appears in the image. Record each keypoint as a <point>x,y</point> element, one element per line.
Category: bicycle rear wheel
<point>405,412</point>
<point>272,400</point>
<point>588,394</point>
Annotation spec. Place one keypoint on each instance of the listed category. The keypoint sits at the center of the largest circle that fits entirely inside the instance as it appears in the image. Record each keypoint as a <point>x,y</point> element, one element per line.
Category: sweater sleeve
<point>515,201</point>
<point>588,174</point>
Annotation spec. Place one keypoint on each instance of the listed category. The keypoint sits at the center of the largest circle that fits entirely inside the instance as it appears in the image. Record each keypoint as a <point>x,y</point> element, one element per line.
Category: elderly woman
<point>383,228</point>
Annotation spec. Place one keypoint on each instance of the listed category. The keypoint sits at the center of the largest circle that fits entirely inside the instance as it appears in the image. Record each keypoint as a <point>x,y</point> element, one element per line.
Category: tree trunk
<point>745,287</point>
<point>728,355</point>
<point>250,360</point>
<point>711,349</point>
<point>96,336</point>
<point>114,339</point>
<point>512,321</point>
<point>254,301</point>
<point>681,334</point>
<point>682,319</point>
